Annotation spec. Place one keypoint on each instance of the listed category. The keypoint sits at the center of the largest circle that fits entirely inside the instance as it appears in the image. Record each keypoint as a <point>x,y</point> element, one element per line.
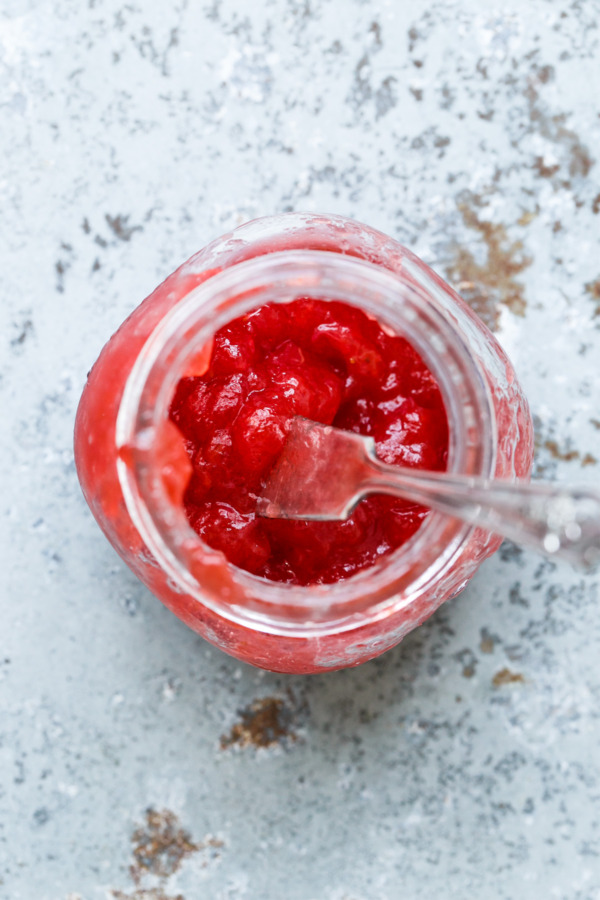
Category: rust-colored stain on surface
<point>160,845</point>
<point>527,217</point>
<point>488,285</point>
<point>146,894</point>
<point>587,459</point>
<point>544,170</point>
<point>593,289</point>
<point>556,453</point>
<point>265,722</point>
<point>505,676</point>
<point>552,127</point>
<point>487,645</point>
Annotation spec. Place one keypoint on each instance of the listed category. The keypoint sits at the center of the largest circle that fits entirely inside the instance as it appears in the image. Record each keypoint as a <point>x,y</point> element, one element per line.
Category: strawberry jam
<point>327,361</point>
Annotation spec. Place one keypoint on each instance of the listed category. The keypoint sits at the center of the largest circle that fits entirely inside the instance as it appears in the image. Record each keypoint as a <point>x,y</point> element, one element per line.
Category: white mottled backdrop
<point>465,763</point>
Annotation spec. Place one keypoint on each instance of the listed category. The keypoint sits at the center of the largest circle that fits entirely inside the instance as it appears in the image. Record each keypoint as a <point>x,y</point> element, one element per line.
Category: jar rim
<point>402,301</point>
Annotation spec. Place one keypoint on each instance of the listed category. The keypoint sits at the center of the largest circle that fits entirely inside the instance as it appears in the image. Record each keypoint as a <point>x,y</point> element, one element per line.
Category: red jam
<point>329,362</point>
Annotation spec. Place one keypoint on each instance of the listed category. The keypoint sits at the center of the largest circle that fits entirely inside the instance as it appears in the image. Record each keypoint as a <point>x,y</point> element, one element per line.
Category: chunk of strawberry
<point>234,350</point>
<point>310,387</point>
<point>268,325</point>
<point>179,409</point>
<point>188,409</point>
<point>356,415</point>
<point>412,436</point>
<point>210,405</point>
<point>225,399</point>
<point>310,548</point>
<point>240,537</point>
<point>304,316</point>
<point>346,344</point>
<point>398,519</point>
<point>260,430</point>
<point>223,475</point>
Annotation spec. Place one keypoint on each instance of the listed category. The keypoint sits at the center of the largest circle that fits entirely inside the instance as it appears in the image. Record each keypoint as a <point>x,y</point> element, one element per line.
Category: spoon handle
<point>559,521</point>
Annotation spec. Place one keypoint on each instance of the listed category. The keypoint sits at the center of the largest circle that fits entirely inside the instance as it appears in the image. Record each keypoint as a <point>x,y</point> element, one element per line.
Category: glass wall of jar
<point>134,469</point>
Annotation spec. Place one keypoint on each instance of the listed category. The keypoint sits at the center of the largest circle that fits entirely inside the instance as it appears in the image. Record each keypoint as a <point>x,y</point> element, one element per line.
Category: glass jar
<point>133,467</point>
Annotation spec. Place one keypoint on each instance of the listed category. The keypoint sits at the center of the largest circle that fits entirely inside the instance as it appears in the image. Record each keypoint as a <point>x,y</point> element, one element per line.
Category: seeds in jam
<point>329,362</point>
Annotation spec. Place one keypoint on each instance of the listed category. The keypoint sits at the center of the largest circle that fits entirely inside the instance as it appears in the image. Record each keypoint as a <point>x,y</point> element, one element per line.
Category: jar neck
<point>150,454</point>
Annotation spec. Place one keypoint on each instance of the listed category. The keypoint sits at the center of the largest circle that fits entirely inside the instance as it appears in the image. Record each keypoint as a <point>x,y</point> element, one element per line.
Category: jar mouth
<point>405,303</point>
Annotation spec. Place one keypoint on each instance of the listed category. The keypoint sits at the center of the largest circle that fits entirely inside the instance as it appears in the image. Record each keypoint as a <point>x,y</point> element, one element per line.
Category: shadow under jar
<point>134,468</point>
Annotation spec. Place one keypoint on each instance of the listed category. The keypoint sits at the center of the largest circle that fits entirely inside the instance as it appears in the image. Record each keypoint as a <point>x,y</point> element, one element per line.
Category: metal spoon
<point>324,472</point>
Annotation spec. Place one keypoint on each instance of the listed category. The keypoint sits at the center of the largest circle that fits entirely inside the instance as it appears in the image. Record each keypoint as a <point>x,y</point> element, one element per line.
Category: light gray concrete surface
<point>466,762</point>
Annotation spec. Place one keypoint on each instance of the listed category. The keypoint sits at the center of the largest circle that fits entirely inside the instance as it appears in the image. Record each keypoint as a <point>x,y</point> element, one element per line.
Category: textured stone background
<point>466,762</point>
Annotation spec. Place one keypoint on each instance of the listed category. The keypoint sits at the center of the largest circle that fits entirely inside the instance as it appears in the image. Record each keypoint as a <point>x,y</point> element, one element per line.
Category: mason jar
<point>134,469</point>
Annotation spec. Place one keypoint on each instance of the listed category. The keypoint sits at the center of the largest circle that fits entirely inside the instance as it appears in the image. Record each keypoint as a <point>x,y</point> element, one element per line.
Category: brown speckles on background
<point>160,845</point>
<point>487,643</point>
<point>527,216</point>
<point>60,267</point>
<point>593,289</point>
<point>120,227</point>
<point>549,451</point>
<point>375,30</point>
<point>488,284</point>
<point>469,663</point>
<point>578,161</point>
<point>568,455</point>
<point>265,722</point>
<point>23,332</point>
<point>544,74</point>
<point>506,676</point>
<point>145,894</point>
<point>544,169</point>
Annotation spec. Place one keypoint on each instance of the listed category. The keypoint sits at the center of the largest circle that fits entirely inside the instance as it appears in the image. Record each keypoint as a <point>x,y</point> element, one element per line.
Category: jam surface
<point>329,362</point>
